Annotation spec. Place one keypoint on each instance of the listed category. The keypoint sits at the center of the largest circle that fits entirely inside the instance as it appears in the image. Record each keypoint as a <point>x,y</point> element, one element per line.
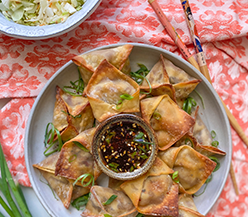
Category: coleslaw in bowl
<point>35,19</point>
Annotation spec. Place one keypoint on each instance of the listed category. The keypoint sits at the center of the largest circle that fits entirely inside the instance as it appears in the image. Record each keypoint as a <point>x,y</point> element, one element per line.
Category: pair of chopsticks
<point>202,67</point>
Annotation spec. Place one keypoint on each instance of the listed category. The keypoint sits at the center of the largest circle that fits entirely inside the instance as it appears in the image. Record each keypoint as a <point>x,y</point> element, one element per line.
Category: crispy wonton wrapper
<point>159,81</point>
<point>105,88</point>
<point>154,193</point>
<point>187,206</point>
<point>76,158</point>
<point>169,122</point>
<point>183,83</point>
<point>61,186</point>
<point>193,168</point>
<point>121,205</point>
<point>117,56</point>
<point>72,114</point>
<point>203,137</point>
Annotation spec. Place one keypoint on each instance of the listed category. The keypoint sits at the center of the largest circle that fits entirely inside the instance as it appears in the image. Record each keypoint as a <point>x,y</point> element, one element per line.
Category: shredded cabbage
<point>39,12</point>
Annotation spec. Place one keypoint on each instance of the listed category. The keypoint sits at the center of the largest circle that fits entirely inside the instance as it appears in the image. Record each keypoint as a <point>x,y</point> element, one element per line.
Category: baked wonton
<point>154,193</point>
<point>203,137</point>
<point>183,83</point>
<point>120,206</point>
<point>72,114</point>
<point>76,159</point>
<point>187,206</point>
<point>105,90</point>
<point>193,168</point>
<point>117,56</point>
<point>158,81</point>
<point>61,186</point>
<point>169,122</point>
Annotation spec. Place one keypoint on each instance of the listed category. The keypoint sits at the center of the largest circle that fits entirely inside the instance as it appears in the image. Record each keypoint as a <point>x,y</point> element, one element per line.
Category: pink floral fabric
<point>26,65</point>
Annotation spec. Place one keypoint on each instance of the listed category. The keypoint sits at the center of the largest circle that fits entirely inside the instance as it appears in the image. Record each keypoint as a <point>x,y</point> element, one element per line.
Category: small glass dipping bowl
<point>124,146</point>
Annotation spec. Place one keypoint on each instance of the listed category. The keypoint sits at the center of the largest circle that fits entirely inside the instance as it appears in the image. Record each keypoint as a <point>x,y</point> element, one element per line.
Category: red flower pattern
<point>26,65</point>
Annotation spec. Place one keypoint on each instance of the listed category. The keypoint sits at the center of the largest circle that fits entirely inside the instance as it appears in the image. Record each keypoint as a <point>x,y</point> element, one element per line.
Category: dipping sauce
<point>125,147</point>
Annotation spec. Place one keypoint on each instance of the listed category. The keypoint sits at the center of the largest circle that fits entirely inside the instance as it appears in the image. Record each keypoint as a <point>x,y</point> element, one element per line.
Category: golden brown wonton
<point>121,206</point>
<point>159,81</point>
<point>118,57</point>
<point>60,185</point>
<point>187,206</point>
<point>203,137</point>
<point>76,159</point>
<point>183,83</point>
<point>72,114</point>
<point>170,123</point>
<point>154,193</point>
<point>104,92</point>
<point>193,168</point>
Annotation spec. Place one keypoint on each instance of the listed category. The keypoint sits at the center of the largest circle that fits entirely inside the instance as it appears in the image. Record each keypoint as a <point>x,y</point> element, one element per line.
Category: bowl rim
<point>20,31</point>
<point>113,120</point>
<point>140,45</point>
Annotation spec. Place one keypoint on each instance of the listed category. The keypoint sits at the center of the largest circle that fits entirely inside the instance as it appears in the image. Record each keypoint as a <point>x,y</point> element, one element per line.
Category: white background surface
<point>34,204</point>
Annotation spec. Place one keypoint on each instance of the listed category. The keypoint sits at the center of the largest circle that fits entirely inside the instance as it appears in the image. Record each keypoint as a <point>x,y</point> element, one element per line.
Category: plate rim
<point>211,88</point>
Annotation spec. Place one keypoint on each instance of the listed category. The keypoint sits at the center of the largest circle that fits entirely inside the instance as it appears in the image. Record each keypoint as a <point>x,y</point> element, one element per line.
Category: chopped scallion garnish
<point>110,200</point>
<point>83,177</point>
<point>78,144</point>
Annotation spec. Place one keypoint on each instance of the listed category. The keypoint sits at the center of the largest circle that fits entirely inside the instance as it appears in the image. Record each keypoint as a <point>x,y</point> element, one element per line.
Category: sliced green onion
<point>140,135</point>
<point>144,156</point>
<point>49,137</point>
<point>126,96</point>
<point>81,202</point>
<point>76,88</point>
<point>76,116</point>
<point>213,134</point>
<point>107,215</point>
<point>188,104</point>
<point>206,184</point>
<point>142,149</point>
<point>72,158</point>
<point>113,164</point>
<point>54,195</point>
<point>200,98</point>
<point>157,116</point>
<point>78,144</point>
<point>119,104</point>
<point>217,163</point>
<point>175,177</point>
<point>139,215</point>
<point>110,200</point>
<point>83,177</point>
<point>141,141</point>
<point>189,140</point>
<point>215,143</point>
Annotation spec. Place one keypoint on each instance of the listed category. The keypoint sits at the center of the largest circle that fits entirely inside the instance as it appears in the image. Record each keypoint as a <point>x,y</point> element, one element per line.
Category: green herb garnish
<point>83,177</point>
<point>215,159</point>
<point>49,139</point>
<point>175,177</point>
<point>72,158</point>
<point>188,104</point>
<point>157,116</point>
<point>110,200</point>
<point>81,202</point>
<point>78,144</point>
<point>124,96</point>
<point>76,116</point>
<point>76,88</point>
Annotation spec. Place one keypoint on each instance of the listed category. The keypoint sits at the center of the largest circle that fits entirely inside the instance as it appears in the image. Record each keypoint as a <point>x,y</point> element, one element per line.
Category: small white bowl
<point>13,29</point>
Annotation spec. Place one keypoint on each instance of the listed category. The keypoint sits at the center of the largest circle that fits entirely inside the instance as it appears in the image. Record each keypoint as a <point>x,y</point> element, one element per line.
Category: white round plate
<point>13,29</point>
<point>213,115</point>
